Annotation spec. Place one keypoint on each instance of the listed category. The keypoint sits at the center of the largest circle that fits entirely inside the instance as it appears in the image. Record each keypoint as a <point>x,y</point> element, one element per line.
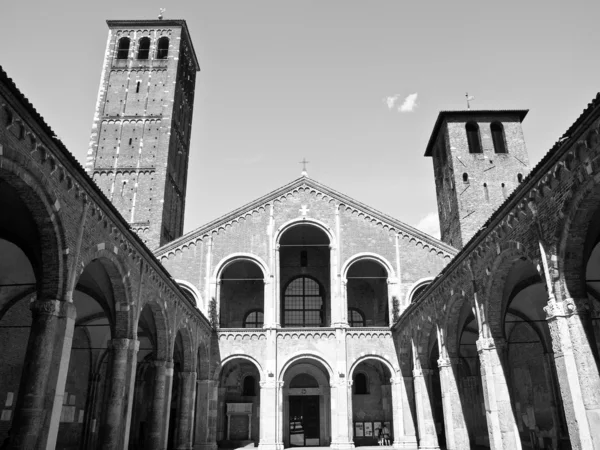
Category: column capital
<point>490,343</point>
<point>53,308</point>
<point>397,380</point>
<point>124,344</point>
<point>422,372</point>
<point>444,362</point>
<point>159,363</point>
<point>566,308</point>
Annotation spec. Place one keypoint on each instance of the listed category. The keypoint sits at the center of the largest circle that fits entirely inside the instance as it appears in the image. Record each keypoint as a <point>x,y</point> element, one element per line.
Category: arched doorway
<point>238,404</point>
<point>367,291</point>
<point>305,280</point>
<point>306,405</point>
<point>241,295</point>
<point>372,405</point>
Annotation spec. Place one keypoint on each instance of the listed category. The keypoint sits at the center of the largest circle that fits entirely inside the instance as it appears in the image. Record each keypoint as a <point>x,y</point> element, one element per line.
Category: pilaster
<point>403,428</point>
<point>341,411</point>
<point>270,435</point>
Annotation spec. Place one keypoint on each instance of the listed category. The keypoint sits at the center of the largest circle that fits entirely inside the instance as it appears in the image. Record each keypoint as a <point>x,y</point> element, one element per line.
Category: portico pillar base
<point>342,445</point>
<point>207,446</point>
<point>405,442</point>
<point>270,446</point>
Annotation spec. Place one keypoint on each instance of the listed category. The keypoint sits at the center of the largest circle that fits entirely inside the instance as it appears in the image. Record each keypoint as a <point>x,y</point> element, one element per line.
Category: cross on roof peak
<point>304,162</point>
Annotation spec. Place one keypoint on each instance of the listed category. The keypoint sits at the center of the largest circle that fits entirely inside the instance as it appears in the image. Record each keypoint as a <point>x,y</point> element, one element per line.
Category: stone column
<point>117,410</point>
<point>158,424</point>
<point>425,419</point>
<point>277,288</point>
<point>187,389</point>
<point>39,402</point>
<point>577,371</point>
<point>502,428</point>
<point>167,404</point>
<point>457,436</point>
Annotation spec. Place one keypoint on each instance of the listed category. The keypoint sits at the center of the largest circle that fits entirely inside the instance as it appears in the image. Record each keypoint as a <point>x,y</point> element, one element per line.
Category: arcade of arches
<point>302,319</point>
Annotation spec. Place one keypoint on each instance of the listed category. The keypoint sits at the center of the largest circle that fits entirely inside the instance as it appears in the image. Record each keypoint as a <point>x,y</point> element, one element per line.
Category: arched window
<point>254,319</point>
<point>466,177</point>
<point>504,190</point>
<point>143,48</point>
<point>486,192</point>
<point>123,48</point>
<point>519,177</point>
<point>163,48</point>
<point>361,385</point>
<point>356,318</point>
<point>473,137</point>
<point>249,387</point>
<point>419,290</point>
<point>498,137</point>
<point>303,303</point>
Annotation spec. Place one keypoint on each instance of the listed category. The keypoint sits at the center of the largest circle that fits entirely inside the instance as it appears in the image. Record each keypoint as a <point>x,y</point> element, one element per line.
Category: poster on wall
<point>376,429</point>
<point>368,429</point>
<point>358,429</point>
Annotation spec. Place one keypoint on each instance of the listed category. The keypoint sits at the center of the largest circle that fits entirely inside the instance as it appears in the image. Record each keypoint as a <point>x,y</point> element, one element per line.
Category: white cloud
<point>409,104</point>
<point>430,224</point>
<point>391,101</point>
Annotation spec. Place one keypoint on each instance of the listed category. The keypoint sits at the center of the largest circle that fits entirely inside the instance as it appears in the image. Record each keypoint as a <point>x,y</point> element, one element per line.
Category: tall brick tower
<point>139,147</point>
<point>479,157</point>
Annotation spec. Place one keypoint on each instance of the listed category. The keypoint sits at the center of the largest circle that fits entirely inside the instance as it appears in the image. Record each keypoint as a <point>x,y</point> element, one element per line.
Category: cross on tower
<point>304,162</point>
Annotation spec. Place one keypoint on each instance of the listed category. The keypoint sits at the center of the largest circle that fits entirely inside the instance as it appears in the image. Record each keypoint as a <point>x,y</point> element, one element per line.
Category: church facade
<point>304,318</point>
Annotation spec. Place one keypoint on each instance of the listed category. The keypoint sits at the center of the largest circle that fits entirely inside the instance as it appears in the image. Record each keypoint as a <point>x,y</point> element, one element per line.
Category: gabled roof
<point>443,115</point>
<point>310,183</point>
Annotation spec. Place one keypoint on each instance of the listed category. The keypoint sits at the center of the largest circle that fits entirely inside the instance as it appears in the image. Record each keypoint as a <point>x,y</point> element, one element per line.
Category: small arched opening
<point>241,293</point>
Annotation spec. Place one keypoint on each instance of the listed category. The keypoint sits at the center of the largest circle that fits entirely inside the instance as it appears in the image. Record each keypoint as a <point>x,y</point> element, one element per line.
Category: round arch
<point>47,219</point>
<point>235,356</point>
<point>162,328</point>
<point>416,285</point>
<point>194,292</point>
<point>367,256</point>
<point>240,256</point>
<point>393,370</point>
<point>305,221</point>
<point>115,268</point>
<point>306,354</point>
<point>572,242</point>
<point>189,358</point>
<point>494,307</point>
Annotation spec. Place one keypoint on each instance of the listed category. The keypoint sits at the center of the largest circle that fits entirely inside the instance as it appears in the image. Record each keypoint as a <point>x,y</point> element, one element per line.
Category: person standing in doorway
<point>386,434</point>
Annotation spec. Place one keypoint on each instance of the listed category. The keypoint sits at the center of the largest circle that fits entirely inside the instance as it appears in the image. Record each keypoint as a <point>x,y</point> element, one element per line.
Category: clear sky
<point>285,80</point>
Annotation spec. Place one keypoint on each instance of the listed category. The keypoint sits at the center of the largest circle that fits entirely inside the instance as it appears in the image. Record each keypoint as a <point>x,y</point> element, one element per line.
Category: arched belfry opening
<point>241,295</point>
<point>306,405</point>
<point>367,289</point>
<point>304,262</point>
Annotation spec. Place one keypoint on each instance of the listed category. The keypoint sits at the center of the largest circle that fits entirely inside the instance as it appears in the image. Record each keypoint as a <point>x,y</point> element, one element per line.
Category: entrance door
<point>304,421</point>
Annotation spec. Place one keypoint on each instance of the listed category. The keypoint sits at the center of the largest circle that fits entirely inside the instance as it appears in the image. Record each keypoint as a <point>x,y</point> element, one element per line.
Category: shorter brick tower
<point>139,147</point>
<point>479,157</point>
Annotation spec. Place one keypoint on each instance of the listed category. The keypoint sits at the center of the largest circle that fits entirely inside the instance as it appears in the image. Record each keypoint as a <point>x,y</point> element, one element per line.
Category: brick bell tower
<point>139,147</point>
<point>479,158</point>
